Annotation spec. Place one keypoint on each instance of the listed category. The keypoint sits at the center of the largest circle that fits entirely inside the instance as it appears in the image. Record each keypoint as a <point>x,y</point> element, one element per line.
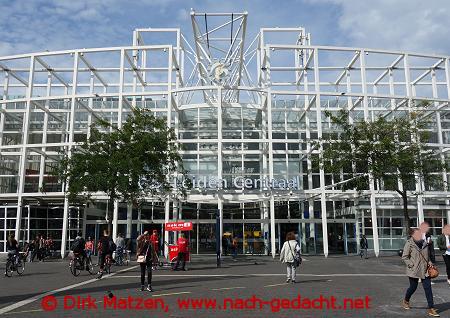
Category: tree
<point>128,163</point>
<point>394,152</point>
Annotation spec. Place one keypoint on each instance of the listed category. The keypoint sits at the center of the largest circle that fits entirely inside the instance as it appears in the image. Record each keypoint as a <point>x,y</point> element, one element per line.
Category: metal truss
<point>235,107</point>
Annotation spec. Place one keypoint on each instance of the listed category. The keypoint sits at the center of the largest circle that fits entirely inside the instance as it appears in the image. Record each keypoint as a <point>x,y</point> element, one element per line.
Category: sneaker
<point>448,281</point>
<point>149,288</point>
<point>100,275</point>
<point>288,280</point>
<point>142,287</point>
<point>433,313</point>
<point>293,281</point>
<point>405,305</point>
<point>433,283</point>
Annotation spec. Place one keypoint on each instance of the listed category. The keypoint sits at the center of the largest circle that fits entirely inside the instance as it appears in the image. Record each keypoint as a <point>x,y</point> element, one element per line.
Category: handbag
<point>432,270</point>
<point>143,258</point>
<point>297,257</point>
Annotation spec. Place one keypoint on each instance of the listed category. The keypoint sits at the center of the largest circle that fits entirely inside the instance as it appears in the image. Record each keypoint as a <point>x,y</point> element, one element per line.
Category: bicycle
<point>120,257</point>
<point>14,264</point>
<point>126,257</point>
<point>108,263</point>
<point>76,265</point>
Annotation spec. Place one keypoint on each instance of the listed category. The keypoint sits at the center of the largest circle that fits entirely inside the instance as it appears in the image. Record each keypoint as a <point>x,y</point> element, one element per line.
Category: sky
<point>412,25</point>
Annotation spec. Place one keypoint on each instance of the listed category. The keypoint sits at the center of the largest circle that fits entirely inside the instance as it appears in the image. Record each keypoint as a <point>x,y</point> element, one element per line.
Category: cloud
<point>39,25</point>
<point>415,25</point>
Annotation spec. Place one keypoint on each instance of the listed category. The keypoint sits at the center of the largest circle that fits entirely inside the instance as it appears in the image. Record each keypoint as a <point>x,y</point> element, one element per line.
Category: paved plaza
<point>254,283</point>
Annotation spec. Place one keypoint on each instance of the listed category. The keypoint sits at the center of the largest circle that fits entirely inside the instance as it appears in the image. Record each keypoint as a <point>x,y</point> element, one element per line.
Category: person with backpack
<point>290,255</point>
<point>78,248</point>
<point>107,247</point>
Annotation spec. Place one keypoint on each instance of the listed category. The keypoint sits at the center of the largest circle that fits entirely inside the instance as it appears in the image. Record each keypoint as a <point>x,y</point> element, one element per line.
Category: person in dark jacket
<point>104,251</point>
<point>12,247</point>
<point>145,248</point>
<point>424,228</point>
<point>363,245</point>
<point>416,257</point>
<point>444,246</point>
<point>225,245</point>
<point>78,248</point>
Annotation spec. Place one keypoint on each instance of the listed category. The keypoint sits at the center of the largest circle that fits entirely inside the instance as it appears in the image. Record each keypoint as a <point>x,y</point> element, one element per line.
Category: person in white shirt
<point>444,246</point>
<point>289,252</point>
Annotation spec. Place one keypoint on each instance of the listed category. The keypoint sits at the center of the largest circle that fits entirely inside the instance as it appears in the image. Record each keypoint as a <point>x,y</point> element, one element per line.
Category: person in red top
<point>89,247</point>
<point>155,241</point>
<point>183,244</point>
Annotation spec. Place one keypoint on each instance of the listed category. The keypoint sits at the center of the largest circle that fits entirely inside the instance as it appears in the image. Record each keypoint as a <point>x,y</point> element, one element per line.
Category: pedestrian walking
<point>444,245</point>
<point>416,256</point>
<point>290,255</point>
<point>363,245</point>
<point>424,228</point>
<point>225,245</point>
<point>154,238</point>
<point>145,254</point>
<point>89,247</point>
<point>234,248</point>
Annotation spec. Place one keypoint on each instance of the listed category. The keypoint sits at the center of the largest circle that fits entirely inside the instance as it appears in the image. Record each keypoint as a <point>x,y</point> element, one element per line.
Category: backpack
<point>76,245</point>
<point>112,246</point>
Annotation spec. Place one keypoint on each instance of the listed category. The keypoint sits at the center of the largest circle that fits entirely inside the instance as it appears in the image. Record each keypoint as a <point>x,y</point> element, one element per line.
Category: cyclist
<point>78,248</point>
<point>12,246</point>
<point>106,249</point>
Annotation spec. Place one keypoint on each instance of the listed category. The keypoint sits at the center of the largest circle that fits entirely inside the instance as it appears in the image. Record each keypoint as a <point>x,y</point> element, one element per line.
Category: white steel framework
<point>242,109</point>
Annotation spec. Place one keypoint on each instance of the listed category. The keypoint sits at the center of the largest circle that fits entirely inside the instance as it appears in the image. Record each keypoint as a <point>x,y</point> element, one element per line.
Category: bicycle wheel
<point>9,268</point>
<point>75,267</point>
<point>21,267</point>
<point>90,266</point>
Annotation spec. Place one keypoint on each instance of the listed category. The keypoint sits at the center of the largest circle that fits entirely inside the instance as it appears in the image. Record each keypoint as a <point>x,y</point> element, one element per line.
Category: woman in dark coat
<point>145,248</point>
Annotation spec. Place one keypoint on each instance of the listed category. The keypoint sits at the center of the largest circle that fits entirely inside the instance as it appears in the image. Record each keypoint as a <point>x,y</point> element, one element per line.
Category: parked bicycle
<point>15,263</point>
<point>119,256</point>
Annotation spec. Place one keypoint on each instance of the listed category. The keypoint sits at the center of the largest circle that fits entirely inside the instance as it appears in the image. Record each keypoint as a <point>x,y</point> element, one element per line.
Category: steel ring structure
<point>246,110</point>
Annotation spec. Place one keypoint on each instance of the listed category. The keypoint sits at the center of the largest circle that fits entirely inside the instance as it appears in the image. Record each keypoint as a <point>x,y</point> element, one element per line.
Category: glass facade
<point>247,131</point>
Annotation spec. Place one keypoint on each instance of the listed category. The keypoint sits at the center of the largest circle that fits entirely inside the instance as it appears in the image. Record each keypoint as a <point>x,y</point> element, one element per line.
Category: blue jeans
<point>426,284</point>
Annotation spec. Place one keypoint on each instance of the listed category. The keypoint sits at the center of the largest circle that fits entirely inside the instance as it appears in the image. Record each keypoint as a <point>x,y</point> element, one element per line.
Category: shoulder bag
<point>143,258</point>
<point>432,270</point>
<point>296,255</point>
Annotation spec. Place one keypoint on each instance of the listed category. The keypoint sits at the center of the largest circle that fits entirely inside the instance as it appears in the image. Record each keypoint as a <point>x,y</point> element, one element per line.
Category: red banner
<point>178,226</point>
